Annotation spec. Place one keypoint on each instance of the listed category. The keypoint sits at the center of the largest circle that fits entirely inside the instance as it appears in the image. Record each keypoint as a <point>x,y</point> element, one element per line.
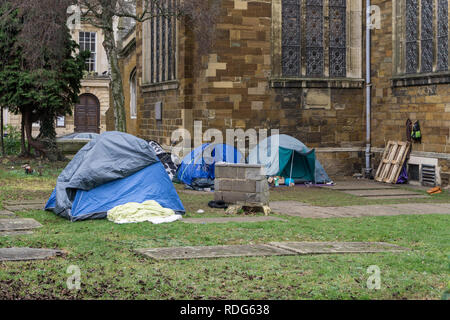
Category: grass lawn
<point>111,270</point>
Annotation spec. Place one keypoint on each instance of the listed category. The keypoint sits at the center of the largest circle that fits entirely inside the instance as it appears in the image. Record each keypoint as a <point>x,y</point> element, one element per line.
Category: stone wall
<point>395,99</point>
<point>235,86</point>
<point>232,88</point>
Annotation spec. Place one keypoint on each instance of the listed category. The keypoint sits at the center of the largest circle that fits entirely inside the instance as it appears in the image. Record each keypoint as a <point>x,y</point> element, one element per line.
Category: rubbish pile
<point>169,160</point>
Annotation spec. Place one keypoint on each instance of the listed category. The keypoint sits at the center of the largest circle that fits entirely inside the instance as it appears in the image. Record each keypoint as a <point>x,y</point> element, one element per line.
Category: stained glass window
<point>338,34</point>
<point>291,55</point>
<point>314,35</point>
<point>412,36</point>
<point>442,36</point>
<point>314,38</point>
<point>426,36</point>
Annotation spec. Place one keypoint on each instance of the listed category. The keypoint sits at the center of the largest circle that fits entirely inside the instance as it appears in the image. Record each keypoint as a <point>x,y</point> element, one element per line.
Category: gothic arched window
<point>319,38</point>
<point>421,36</point>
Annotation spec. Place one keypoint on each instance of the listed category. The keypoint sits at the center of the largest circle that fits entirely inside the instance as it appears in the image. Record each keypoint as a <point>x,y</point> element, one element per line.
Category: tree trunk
<point>1,132</point>
<point>47,137</point>
<point>27,116</point>
<point>116,81</point>
<point>23,150</point>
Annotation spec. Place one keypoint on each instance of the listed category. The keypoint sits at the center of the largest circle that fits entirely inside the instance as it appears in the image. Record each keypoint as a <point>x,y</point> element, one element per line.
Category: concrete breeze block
<point>225,171</point>
<point>241,183</point>
<point>223,184</point>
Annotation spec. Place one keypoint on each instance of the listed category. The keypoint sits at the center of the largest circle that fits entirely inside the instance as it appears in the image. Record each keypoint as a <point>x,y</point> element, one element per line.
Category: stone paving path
<point>231,219</point>
<point>24,205</point>
<point>271,249</point>
<point>24,254</point>
<point>9,227</point>
<point>373,190</point>
<point>338,247</point>
<point>358,185</point>
<point>384,192</point>
<point>177,253</point>
<point>298,209</point>
<point>6,214</point>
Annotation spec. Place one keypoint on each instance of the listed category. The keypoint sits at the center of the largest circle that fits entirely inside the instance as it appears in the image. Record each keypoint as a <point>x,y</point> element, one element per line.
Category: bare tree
<point>199,15</point>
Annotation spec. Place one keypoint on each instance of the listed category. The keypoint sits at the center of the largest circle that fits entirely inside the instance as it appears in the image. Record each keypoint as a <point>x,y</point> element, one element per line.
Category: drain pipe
<point>368,168</point>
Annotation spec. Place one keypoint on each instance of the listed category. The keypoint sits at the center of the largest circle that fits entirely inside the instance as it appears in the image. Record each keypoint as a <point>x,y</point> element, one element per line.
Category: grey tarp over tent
<point>108,157</point>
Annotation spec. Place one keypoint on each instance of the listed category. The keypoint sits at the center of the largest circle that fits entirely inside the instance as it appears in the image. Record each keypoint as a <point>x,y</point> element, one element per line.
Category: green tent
<point>297,166</point>
<point>285,156</point>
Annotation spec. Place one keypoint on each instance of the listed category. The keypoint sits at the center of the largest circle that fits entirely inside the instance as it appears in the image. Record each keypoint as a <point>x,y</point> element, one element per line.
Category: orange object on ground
<point>434,190</point>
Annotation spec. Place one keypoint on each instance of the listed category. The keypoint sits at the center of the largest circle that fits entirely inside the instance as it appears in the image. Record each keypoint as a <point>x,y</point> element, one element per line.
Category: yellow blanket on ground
<point>150,211</point>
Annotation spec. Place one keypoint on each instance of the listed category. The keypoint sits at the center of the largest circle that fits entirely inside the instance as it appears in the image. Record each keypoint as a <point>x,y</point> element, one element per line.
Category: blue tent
<point>111,170</point>
<point>200,163</point>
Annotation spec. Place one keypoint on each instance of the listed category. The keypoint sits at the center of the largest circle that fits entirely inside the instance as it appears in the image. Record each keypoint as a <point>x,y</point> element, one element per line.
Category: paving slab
<point>6,214</point>
<point>25,207</point>
<point>18,224</point>
<point>178,253</point>
<point>24,202</point>
<point>411,196</point>
<point>291,209</point>
<point>358,185</point>
<point>15,233</point>
<point>384,193</point>
<point>231,219</point>
<point>23,254</point>
<point>338,247</point>
<point>423,208</point>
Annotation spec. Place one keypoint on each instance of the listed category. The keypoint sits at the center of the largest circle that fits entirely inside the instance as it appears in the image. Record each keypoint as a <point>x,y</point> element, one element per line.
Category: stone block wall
<point>396,99</point>
<point>241,183</point>
<point>235,87</point>
<point>231,88</point>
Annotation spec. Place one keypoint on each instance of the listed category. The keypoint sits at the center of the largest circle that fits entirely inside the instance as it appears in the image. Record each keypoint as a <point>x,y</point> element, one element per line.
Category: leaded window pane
<point>338,33</point>
<point>412,36</point>
<point>291,38</point>
<point>314,38</point>
<point>303,38</point>
<point>442,36</point>
<point>427,36</point>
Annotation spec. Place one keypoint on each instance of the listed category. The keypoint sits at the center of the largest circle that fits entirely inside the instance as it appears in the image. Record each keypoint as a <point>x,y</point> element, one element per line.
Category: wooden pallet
<point>391,164</point>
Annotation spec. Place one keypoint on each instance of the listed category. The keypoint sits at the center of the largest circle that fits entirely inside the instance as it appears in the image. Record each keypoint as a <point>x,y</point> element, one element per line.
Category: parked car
<point>78,136</point>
